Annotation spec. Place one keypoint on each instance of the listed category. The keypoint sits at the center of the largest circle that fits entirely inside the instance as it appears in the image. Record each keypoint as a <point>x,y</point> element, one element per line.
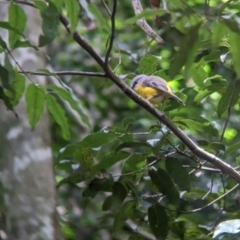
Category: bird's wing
<point>157,83</point>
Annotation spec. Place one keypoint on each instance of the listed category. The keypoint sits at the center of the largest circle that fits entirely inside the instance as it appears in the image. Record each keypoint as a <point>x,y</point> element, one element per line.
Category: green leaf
<point>229,226</point>
<point>8,26</point>
<point>234,40</point>
<point>108,160</point>
<point>127,210</point>
<point>72,179</point>
<point>148,65</point>
<point>57,112</point>
<point>101,20</point>
<point>2,43</point>
<point>49,14</point>
<point>158,221</point>
<point>72,7</point>
<point>199,75</point>
<point>18,87</point>
<point>17,18</point>
<point>58,4</point>
<point>5,79</point>
<point>107,204</point>
<point>187,51</point>
<point>218,32</point>
<point>189,123</point>
<point>165,184</point>
<point>119,192</point>
<point>134,163</point>
<point>178,173</point>
<point>97,185</point>
<point>231,94</point>
<point>25,44</point>
<point>72,100</point>
<point>96,140</point>
<point>6,99</point>
<point>85,157</point>
<point>232,149</point>
<point>35,101</point>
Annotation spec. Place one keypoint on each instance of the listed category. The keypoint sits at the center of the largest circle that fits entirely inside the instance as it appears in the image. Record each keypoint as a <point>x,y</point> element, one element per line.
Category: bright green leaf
<point>58,4</point>
<point>148,64</point>
<point>18,87</point>
<point>72,100</point>
<point>25,44</point>
<point>218,32</point>
<point>8,26</point>
<point>72,7</point>
<point>234,40</point>
<point>35,101</point>
<point>17,18</point>
<point>57,112</point>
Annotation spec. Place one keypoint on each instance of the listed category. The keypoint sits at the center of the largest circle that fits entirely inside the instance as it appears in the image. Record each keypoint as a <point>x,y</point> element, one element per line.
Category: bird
<point>153,89</point>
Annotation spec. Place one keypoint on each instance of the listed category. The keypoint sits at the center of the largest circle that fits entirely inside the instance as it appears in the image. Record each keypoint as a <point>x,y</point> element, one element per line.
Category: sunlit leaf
<point>227,227</point>
<point>234,40</point>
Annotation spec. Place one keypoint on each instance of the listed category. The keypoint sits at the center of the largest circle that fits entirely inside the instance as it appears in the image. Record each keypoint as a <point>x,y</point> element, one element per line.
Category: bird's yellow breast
<point>146,92</point>
<point>154,95</point>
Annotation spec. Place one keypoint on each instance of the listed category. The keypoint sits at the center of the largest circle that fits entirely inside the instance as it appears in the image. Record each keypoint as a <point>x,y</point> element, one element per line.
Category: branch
<point>111,37</point>
<point>199,152</point>
<point>214,201</point>
<point>62,73</point>
<point>143,24</point>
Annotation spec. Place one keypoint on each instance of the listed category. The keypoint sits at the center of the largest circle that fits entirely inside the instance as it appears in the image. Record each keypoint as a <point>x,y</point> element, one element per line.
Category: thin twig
<point>66,73</point>
<point>135,229</point>
<point>105,5</point>
<point>203,168</point>
<point>19,66</point>
<point>214,201</point>
<point>112,35</point>
<point>143,24</point>
<point>228,110</point>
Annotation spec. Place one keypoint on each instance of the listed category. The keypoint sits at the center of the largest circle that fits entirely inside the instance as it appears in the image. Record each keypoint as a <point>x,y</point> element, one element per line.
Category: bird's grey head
<point>136,80</point>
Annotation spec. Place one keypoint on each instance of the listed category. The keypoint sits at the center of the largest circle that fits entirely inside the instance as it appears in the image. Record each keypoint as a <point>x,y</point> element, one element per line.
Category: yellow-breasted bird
<point>154,89</point>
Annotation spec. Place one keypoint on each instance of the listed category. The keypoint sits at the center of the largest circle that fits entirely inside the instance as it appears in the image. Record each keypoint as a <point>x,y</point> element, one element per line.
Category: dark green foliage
<point>119,172</point>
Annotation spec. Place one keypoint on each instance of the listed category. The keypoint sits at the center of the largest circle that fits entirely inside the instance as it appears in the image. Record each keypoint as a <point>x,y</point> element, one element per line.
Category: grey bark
<point>26,158</point>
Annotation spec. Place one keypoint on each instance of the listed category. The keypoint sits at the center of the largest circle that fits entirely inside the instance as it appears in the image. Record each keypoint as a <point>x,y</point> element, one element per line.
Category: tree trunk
<point>26,157</point>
